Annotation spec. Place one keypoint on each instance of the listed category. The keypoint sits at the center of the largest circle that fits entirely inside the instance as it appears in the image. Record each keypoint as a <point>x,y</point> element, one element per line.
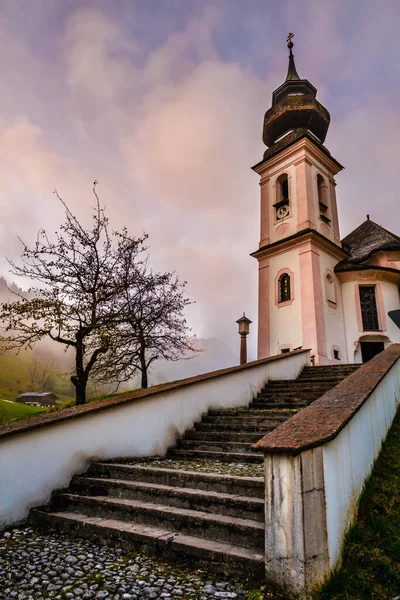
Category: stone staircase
<point>189,505</point>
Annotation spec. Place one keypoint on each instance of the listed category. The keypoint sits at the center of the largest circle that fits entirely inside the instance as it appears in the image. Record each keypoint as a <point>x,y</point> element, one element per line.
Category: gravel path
<point>35,566</point>
<point>204,466</point>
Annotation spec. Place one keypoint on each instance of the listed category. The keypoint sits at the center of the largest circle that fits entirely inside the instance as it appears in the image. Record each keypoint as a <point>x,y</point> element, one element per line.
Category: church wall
<point>387,299</point>
<point>333,310</point>
<point>285,319</point>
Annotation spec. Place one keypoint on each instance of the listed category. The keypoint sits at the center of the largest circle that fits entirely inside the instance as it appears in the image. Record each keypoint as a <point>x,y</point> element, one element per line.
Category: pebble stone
<point>36,566</point>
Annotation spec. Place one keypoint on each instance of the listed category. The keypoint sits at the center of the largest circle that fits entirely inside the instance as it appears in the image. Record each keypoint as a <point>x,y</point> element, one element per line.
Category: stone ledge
<point>326,417</point>
<point>74,412</point>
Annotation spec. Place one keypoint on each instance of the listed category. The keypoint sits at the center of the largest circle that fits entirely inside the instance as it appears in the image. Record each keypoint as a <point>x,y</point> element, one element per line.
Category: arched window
<point>283,187</point>
<point>282,197</point>
<point>284,288</point>
<point>323,199</point>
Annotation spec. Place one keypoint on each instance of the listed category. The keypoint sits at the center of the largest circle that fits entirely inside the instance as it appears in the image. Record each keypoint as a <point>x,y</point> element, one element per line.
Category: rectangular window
<point>369,311</point>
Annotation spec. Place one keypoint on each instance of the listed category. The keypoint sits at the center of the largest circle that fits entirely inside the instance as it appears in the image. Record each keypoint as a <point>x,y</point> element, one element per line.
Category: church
<point>315,290</point>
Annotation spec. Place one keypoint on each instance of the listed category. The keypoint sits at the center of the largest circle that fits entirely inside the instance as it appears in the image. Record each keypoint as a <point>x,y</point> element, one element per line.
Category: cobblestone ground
<point>35,566</point>
<point>203,466</point>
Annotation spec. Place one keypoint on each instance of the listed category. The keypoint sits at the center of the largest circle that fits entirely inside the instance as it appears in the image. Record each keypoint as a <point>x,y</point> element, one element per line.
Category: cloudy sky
<point>162,102</point>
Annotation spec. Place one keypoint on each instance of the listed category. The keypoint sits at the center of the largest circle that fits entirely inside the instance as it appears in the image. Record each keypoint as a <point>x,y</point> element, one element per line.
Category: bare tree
<point>81,280</point>
<point>153,327</point>
<point>40,370</point>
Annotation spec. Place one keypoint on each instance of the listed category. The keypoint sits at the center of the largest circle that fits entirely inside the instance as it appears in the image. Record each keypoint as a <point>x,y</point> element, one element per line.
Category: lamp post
<point>244,328</point>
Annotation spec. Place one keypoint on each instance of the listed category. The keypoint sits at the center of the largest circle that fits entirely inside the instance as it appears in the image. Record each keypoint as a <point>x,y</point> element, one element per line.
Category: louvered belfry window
<point>369,311</point>
<point>284,288</point>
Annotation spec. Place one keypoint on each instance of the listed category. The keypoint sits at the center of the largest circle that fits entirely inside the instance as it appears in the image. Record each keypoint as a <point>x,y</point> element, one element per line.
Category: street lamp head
<point>244,325</point>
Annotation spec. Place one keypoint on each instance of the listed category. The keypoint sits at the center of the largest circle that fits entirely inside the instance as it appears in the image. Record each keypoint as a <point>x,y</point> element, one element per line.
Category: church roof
<point>294,106</point>
<point>364,241</point>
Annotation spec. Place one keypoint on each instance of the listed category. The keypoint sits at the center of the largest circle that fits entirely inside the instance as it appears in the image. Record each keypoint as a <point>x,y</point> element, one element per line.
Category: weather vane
<point>290,43</point>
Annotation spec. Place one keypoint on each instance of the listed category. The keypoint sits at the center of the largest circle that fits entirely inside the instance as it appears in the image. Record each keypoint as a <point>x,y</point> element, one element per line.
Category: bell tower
<point>299,294</point>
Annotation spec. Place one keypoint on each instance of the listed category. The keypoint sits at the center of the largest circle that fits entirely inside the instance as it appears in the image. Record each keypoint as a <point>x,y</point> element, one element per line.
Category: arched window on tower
<point>282,197</point>
<point>284,288</point>
<point>323,199</point>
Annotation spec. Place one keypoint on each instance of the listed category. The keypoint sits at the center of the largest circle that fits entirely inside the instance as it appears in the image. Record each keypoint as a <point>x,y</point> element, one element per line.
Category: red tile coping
<point>326,417</point>
<point>74,412</point>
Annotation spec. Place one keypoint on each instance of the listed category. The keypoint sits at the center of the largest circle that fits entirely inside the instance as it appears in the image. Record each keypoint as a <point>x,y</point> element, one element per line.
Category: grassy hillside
<point>15,377</point>
<point>13,411</point>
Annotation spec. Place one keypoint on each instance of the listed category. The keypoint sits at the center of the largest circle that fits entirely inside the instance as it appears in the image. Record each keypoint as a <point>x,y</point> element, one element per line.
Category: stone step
<point>230,412</point>
<point>215,556</point>
<point>274,403</point>
<point>242,532</point>
<point>235,427</point>
<point>300,385</point>
<point>214,446</point>
<point>247,419</point>
<point>322,369</point>
<point>292,393</point>
<point>245,507</point>
<point>225,436</point>
<point>230,457</point>
<point>245,486</point>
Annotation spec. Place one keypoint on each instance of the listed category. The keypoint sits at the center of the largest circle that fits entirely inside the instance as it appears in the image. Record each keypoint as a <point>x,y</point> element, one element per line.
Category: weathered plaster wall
<point>34,463</point>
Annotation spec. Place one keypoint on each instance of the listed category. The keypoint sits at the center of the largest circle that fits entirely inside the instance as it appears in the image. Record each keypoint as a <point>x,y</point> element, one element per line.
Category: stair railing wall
<point>316,464</point>
<point>42,453</point>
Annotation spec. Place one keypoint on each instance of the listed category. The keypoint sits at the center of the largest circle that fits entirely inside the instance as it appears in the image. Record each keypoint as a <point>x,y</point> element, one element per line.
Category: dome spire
<point>292,74</point>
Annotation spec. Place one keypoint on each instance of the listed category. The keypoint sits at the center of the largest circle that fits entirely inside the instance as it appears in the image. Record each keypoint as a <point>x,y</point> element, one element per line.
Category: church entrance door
<point>370,349</point>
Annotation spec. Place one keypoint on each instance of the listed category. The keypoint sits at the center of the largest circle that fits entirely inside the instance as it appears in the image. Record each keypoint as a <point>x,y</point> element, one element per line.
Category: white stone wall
<point>34,463</point>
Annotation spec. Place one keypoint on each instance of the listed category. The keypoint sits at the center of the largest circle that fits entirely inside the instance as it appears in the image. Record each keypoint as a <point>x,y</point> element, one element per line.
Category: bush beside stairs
<point>208,519</point>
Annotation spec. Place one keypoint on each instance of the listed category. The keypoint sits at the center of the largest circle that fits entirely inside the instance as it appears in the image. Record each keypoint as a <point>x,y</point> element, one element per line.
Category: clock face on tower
<point>282,211</point>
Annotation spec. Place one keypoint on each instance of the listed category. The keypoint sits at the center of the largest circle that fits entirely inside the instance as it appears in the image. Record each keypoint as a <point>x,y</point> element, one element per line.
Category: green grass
<point>13,411</point>
<point>371,559</point>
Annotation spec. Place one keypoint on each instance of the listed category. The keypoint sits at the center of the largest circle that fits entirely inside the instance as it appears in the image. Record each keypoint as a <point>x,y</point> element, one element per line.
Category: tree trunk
<point>80,378</point>
<point>80,390</point>
<point>143,368</point>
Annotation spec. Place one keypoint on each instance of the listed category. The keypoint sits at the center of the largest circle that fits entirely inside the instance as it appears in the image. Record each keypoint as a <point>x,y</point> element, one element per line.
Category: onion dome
<point>294,106</point>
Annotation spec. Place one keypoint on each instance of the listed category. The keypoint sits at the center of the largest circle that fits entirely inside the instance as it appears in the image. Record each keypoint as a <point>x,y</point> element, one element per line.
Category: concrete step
<point>245,486</point>
<point>242,532</point>
<point>245,507</point>
<point>214,446</point>
<point>213,555</point>
<point>230,457</point>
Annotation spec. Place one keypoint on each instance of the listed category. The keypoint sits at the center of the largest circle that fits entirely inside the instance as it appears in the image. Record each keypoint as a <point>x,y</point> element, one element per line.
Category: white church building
<point>315,290</point>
